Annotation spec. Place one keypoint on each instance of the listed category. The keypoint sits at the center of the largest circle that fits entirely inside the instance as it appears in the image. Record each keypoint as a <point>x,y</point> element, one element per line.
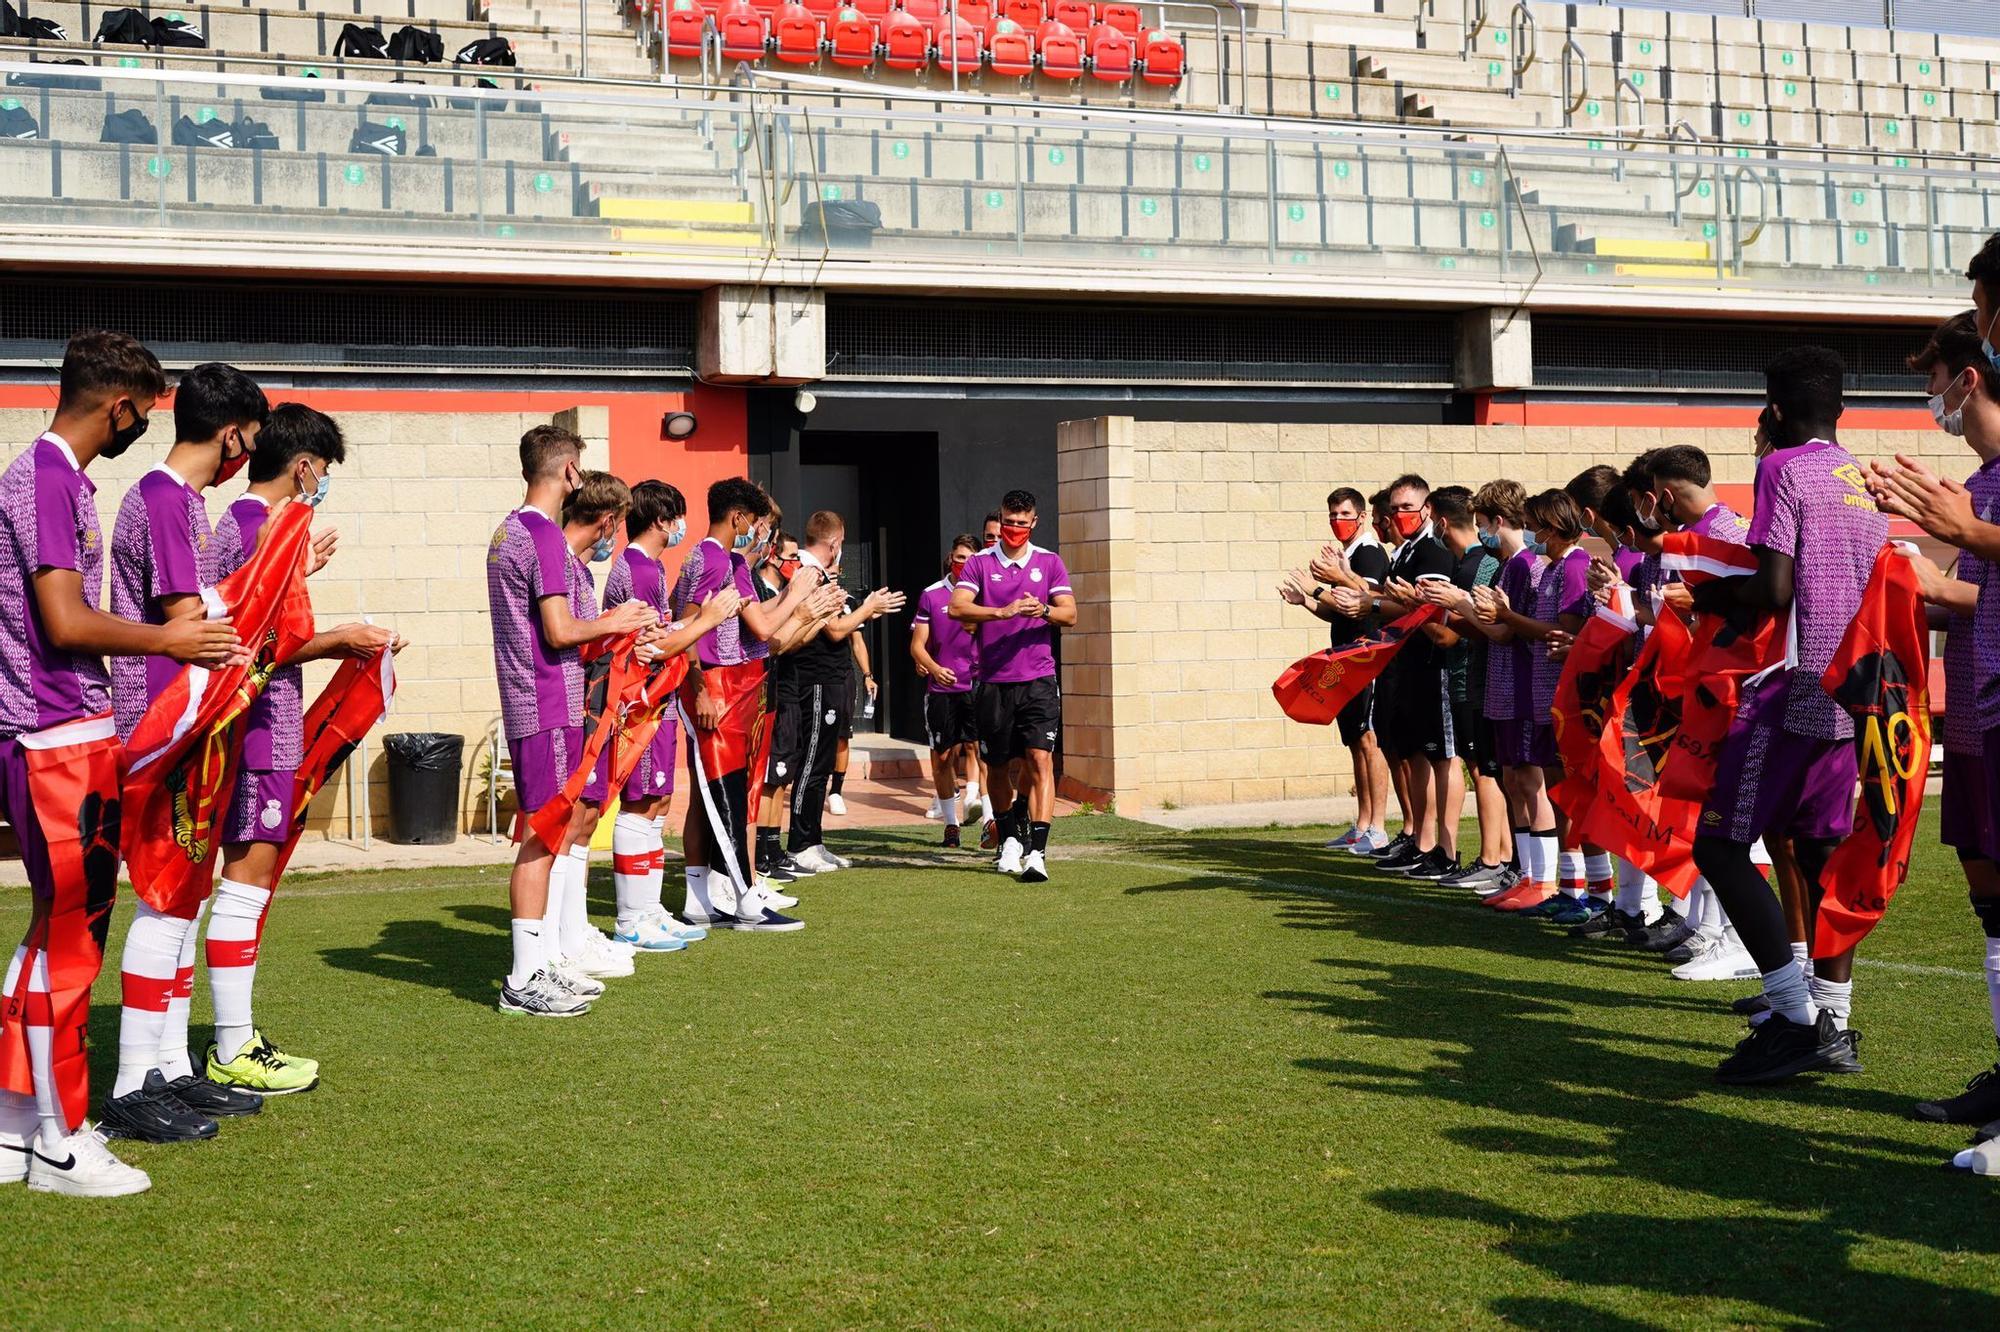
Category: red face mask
<point>958,562</point>
<point>1407,524</point>
<point>1345,528</point>
<point>1014,534</point>
<point>786,568</point>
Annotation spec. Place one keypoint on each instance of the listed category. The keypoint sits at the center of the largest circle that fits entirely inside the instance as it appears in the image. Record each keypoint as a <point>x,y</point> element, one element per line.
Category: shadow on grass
<point>466,963</point>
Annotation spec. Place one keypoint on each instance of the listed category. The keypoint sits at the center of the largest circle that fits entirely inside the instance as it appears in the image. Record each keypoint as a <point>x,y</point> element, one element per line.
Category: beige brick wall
<point>1176,532</point>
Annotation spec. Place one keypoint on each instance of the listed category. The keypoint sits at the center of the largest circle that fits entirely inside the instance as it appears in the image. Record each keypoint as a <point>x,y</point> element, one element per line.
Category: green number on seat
<point>1743,152</point>
<point>1743,119</point>
<point>1476,176</point>
<point>1704,189</point>
<point>830,193</point>
<point>159,168</point>
<point>1487,220</point>
<point>10,104</point>
<point>1493,68</point>
<point>1300,257</point>
<point>1930,99</point>
<point>1923,67</point>
<point>1791,90</point>
<point>1638,78</point>
<point>1332,92</point>
<point>1860,238</point>
<point>1057,157</point>
<point>506,231</point>
<point>1499,39</point>
<point>1201,162</point>
<point>544,182</point>
<point>1902,161</point>
<point>995,199</point>
<point>1788,59</point>
<point>1148,207</point>
<point>1296,212</point>
<point>1593,109</point>
<point>1148,252</point>
<point>395,123</point>
<point>128,62</point>
<point>1645,48</point>
<point>1590,270</point>
<point>1708,231</point>
<point>1597,145</point>
<point>355,175</point>
<point>203,116</point>
<point>1873,279</point>
<point>1891,128</point>
<point>1447,262</point>
<point>1858,197</point>
<point>899,150</point>
<point>1341,170</point>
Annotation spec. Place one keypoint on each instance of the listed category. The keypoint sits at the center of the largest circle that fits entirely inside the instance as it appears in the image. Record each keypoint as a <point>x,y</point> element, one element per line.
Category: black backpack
<point>250,133</point>
<point>16,123</point>
<point>378,140</point>
<point>416,45</point>
<point>485,51</point>
<point>293,94</point>
<point>177,32</point>
<point>361,43</point>
<point>124,27</point>
<point>210,134</point>
<point>13,25</point>
<point>128,127</point>
<point>838,222</point>
<point>71,82</point>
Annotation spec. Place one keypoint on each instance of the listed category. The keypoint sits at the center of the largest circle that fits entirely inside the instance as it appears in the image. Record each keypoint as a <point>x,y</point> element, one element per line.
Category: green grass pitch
<point>1200,1080</point>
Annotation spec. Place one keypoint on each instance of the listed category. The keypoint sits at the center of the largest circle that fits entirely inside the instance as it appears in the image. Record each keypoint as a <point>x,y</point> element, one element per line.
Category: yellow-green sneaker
<point>300,1062</point>
<point>259,1067</point>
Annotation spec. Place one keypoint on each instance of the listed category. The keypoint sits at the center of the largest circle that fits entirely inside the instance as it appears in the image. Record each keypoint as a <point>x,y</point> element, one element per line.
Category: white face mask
<point>1952,423</point>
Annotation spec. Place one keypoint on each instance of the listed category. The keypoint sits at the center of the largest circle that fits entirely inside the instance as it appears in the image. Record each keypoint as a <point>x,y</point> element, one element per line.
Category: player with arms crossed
<point>946,654</point>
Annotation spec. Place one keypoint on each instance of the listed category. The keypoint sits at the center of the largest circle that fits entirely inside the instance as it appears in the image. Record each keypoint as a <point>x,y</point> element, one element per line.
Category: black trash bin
<point>424,769</point>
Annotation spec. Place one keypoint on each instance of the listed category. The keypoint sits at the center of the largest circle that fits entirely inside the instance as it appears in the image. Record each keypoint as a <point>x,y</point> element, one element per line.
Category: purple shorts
<point>1770,781</point>
<point>1523,744</point>
<point>1969,821</point>
<point>261,808</point>
<point>543,762</point>
<point>18,803</point>
<point>654,777</point>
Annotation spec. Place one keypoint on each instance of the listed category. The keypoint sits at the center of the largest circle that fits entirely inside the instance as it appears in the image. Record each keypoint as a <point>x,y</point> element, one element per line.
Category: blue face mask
<point>1986,343</point>
<point>601,552</point>
<point>1538,547</point>
<point>1490,540</point>
<point>679,534</point>
<point>319,492</point>
<point>742,541</point>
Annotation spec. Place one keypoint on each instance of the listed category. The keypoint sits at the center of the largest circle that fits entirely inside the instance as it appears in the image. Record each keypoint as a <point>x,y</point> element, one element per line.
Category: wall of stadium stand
<point>1175,534</point>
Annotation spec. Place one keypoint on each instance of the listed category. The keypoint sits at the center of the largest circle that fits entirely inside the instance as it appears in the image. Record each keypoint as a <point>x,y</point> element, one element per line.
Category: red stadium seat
<point>1125,18</point>
<point>743,32</point>
<point>878,10</point>
<point>1012,51</point>
<point>1027,13</point>
<point>797,35</point>
<point>962,50</point>
<point>1062,53</point>
<point>906,42</point>
<point>979,13</point>
<point>1164,61</point>
<point>824,10</point>
<point>851,38</point>
<point>1075,15</point>
<point>1110,54</point>
<point>685,24</point>
<point>926,12</point>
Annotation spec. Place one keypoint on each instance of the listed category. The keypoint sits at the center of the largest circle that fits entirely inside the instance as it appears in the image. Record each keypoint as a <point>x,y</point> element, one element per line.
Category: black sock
<point>1751,904</point>
<point>1038,836</point>
<point>768,853</point>
<point>838,780</point>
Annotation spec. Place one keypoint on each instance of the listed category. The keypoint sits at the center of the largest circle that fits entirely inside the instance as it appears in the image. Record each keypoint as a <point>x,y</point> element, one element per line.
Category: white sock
<point>1802,954</point>
<point>1789,995</point>
<point>528,955</point>
<point>656,877</point>
<point>1569,870</point>
<point>1705,910</point>
<point>146,976</point>
<point>1597,871</point>
<point>174,1061</point>
<point>552,913</point>
<point>1633,888</point>
<point>1993,983</point>
<point>1545,858</point>
<point>576,901</point>
<point>233,930</point>
<point>632,847</point>
<point>1836,997</point>
<point>1524,853</point>
<point>953,812</point>
<point>42,1111</point>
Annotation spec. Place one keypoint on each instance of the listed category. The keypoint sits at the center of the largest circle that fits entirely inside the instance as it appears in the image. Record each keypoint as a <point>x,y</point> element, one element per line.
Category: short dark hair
<point>1017,501</point>
<point>1985,269</point>
<point>1621,509</point>
<point>823,524</point>
<point>1407,481</point>
<point>98,364</point>
<point>212,397</point>
<point>1452,507</point>
<point>1955,345</point>
<point>1555,510</point>
<point>596,494</point>
<point>1767,424</point>
<point>963,540</point>
<point>1805,385</point>
<point>1348,495</point>
<point>1676,462</point>
<point>780,539</point>
<point>547,449</point>
<point>1378,501</point>
<point>653,502</point>
<point>1588,487</point>
<point>1504,500</point>
<point>737,492</point>
<point>295,430</point>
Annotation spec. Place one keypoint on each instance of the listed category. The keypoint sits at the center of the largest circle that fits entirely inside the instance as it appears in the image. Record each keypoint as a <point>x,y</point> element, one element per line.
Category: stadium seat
<point>926,12</point>
<point>876,10</point>
<point>1012,50</point>
<point>796,36</point>
<point>743,32</point>
<point>824,10</point>
<point>962,50</point>
<point>1062,53</point>
<point>1110,54</point>
<point>1027,13</point>
<point>1076,15</point>
<point>1125,18</point>
<point>1164,60</point>
<point>685,24</point>
<point>979,13</point>
<point>906,42</point>
<point>851,39</point>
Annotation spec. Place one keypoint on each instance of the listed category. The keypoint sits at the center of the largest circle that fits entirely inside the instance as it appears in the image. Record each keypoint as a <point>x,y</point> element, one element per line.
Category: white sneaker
<point>83,1167</point>
<point>974,806</point>
<point>756,914</point>
<point>836,804</point>
<point>701,908</point>
<point>817,859</point>
<point>599,958</point>
<point>1034,869</point>
<point>615,943</point>
<point>542,996</point>
<point>769,893</point>
<point>839,861</point>
<point>1724,959</point>
<point>1010,857</point>
<point>654,934</point>
<point>565,975</point>
<point>936,811</point>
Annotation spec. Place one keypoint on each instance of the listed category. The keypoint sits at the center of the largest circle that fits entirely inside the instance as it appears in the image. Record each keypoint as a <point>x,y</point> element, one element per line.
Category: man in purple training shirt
<point>1017,594</point>
<point>1787,765</point>
<point>947,656</point>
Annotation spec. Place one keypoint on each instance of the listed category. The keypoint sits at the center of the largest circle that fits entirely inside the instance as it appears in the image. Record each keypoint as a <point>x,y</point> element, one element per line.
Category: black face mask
<point>124,437</point>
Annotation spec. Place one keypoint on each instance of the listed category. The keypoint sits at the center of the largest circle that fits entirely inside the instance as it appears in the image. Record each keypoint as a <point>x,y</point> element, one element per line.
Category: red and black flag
<point>643,708</point>
<point>721,758</point>
<point>610,668</point>
<point>1599,659</point>
<point>1633,815</point>
<point>183,755</point>
<point>1880,674</point>
<point>1314,689</point>
<point>354,700</point>
<point>1728,648</point>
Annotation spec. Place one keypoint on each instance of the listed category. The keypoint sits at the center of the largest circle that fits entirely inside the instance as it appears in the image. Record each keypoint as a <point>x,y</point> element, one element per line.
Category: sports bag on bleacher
<point>71,82</point>
<point>15,25</point>
<point>250,133</point>
<point>278,94</point>
<point>416,101</point>
<point>378,141</point>
<point>361,43</point>
<point>128,127</point>
<point>16,123</point>
<point>486,51</point>
<point>206,134</point>
<point>124,27</point>
<point>177,32</point>
<point>416,45</point>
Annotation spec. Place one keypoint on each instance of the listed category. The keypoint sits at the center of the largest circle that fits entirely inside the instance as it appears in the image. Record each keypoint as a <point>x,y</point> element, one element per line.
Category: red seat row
<point>1031,14</point>
<point>853,40</point>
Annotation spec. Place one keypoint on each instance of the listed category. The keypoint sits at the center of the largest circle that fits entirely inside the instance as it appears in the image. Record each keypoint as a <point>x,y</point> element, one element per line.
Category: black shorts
<point>1015,718</point>
<point>1473,735</point>
<point>950,720</point>
<point>1417,724</point>
<point>801,727</point>
<point>1357,718</point>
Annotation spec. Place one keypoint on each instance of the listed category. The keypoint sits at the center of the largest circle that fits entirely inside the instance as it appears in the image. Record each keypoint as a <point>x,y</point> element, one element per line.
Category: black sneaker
<point>1613,924</point>
<point>1978,1103</point>
<point>1750,1005</point>
<point>153,1114</point>
<point>793,871</point>
<point>1670,931</point>
<point>951,836</point>
<point>779,874</point>
<point>1433,864</point>
<point>213,1099</point>
<point>1398,844</point>
<point>1778,1048</point>
<point>1478,874</point>
<point>1400,858</point>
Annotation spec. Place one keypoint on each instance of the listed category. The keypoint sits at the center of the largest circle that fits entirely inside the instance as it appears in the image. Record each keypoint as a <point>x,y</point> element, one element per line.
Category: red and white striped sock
<point>656,877</point>
<point>1570,876</point>
<point>146,979</point>
<point>174,1061</point>
<point>37,1021</point>
<point>235,929</point>
<point>633,842</point>
<point>1597,874</point>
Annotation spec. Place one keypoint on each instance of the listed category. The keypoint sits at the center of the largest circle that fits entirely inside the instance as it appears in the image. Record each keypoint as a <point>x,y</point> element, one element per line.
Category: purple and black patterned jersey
<point>159,545</point>
<point>47,521</point>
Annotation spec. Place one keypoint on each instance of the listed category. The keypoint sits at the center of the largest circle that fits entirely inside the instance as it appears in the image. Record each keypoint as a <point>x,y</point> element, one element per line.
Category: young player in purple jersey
<point>159,572</point>
<point>530,578</point>
<point>1788,764</point>
<point>946,654</point>
<point>55,700</point>
<point>294,458</point>
<point>1016,595</point>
